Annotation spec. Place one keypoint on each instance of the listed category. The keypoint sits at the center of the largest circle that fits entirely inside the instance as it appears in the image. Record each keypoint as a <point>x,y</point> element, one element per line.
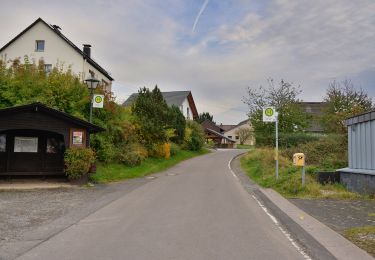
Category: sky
<point>215,48</point>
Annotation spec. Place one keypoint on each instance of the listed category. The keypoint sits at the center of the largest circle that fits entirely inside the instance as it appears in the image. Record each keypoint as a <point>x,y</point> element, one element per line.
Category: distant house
<point>43,41</point>
<point>232,132</point>
<point>316,110</point>
<point>215,134</point>
<point>182,99</point>
<point>359,176</point>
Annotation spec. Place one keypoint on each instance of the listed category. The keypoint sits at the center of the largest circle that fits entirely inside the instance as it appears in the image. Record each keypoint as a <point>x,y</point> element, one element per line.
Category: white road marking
<point>286,233</point>
<point>230,168</point>
<point>275,221</point>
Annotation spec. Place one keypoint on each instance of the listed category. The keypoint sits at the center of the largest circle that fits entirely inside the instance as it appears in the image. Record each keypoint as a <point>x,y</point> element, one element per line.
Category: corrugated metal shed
<point>361,141</point>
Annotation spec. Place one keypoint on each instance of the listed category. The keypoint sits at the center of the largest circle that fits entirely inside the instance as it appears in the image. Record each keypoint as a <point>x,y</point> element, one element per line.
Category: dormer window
<point>39,45</point>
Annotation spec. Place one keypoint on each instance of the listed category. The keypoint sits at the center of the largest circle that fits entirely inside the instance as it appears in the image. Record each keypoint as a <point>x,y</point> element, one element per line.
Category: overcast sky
<point>235,44</point>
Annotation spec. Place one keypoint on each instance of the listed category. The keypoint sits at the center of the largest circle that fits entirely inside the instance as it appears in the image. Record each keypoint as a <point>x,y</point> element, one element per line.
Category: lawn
<point>259,164</point>
<point>244,146</point>
<point>115,171</point>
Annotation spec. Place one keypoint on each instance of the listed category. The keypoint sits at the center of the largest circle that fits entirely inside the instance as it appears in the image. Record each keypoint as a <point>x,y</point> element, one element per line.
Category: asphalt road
<point>196,210</point>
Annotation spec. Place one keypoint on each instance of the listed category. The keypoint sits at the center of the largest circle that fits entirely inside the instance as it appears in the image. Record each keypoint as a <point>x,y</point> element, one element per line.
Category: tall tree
<point>152,115</point>
<point>204,116</point>
<point>283,96</point>
<point>343,100</point>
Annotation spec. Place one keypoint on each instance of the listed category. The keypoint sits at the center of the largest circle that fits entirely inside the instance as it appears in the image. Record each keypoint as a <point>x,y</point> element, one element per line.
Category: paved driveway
<point>196,210</point>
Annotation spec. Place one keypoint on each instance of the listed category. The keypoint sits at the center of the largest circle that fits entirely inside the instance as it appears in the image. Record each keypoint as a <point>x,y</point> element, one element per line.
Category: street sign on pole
<point>98,101</point>
<point>271,116</point>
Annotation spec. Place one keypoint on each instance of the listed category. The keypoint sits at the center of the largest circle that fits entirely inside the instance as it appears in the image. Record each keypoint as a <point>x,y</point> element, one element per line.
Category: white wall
<point>56,51</point>
<point>232,133</point>
<point>184,107</point>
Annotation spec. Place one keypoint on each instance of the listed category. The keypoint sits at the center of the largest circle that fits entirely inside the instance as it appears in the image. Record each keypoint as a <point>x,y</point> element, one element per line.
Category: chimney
<point>87,50</point>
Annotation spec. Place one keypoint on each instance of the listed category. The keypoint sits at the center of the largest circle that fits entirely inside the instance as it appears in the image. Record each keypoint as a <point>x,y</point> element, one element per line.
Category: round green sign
<point>269,112</point>
<point>98,99</point>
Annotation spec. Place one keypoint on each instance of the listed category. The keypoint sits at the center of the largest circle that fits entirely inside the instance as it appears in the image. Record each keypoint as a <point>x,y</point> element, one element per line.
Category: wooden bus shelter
<point>33,139</point>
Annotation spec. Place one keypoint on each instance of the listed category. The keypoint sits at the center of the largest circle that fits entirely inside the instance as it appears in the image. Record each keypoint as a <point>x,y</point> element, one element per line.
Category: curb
<point>320,241</point>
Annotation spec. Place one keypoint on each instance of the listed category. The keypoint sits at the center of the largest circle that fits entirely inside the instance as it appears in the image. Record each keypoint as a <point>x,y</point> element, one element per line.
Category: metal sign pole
<point>277,146</point>
<point>303,175</point>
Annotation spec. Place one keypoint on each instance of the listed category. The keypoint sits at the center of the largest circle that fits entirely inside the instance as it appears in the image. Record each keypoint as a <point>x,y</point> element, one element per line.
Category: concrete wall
<point>357,182</point>
<point>56,51</point>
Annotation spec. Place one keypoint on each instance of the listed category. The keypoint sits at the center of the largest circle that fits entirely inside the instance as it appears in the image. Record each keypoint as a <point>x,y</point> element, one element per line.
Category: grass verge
<point>363,237</point>
<point>115,171</point>
<point>244,146</point>
<point>259,164</point>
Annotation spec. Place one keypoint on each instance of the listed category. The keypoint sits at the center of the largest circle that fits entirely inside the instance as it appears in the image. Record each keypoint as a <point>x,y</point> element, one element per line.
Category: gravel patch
<point>339,215</point>
<point>29,217</point>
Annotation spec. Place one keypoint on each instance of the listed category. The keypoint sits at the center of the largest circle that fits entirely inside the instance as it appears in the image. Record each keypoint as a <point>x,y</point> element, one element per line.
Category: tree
<point>203,117</point>
<point>244,134</point>
<point>152,115</point>
<point>178,124</point>
<point>283,97</point>
<point>343,101</point>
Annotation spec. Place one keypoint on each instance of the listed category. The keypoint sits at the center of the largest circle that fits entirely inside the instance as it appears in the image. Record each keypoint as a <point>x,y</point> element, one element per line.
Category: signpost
<point>271,116</point>
<point>98,101</point>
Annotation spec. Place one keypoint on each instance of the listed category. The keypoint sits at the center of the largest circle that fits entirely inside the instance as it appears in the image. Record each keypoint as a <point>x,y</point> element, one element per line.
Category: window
<point>48,68</point>
<point>237,137</point>
<point>3,143</point>
<point>25,144</point>
<point>229,136</point>
<point>39,45</point>
<point>187,113</point>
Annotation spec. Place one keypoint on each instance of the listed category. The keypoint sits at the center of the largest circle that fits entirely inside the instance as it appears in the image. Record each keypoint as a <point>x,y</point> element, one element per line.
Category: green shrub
<point>78,162</point>
<point>175,149</point>
<point>194,136</point>
<point>328,152</point>
<point>132,155</point>
<point>286,140</point>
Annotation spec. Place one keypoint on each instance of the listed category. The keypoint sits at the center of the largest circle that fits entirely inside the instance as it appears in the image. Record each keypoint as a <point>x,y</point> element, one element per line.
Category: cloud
<point>199,14</point>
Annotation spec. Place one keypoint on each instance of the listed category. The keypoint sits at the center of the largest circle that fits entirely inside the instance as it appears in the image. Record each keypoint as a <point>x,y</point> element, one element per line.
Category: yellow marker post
<point>299,160</point>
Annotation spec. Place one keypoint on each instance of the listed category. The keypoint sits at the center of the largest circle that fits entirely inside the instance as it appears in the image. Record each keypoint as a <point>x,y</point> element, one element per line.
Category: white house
<point>43,41</point>
<point>182,99</point>
<point>232,132</point>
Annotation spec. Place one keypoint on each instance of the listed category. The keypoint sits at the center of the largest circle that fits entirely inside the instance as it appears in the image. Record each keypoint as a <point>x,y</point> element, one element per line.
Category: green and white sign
<point>98,101</point>
<point>269,114</point>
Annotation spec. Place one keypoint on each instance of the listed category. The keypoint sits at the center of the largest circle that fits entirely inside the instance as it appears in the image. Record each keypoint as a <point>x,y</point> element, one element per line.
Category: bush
<point>132,155</point>
<point>78,162</point>
<point>175,149</point>
<point>286,140</point>
<point>328,152</point>
<point>194,136</point>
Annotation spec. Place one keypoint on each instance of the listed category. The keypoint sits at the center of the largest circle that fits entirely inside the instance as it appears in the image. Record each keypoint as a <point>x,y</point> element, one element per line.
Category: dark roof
<point>226,127</point>
<point>57,31</point>
<point>55,113</point>
<point>313,108</point>
<point>364,117</point>
<point>219,135</point>
<point>209,124</point>
<point>172,98</point>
